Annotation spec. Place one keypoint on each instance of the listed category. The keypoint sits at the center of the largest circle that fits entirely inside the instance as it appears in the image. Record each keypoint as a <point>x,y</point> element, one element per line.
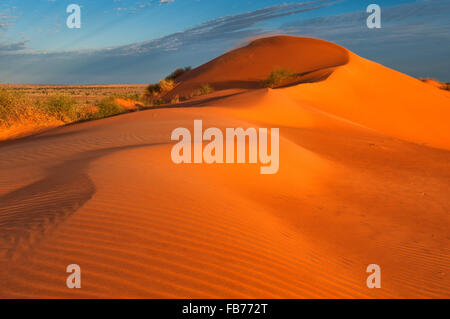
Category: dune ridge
<point>249,66</point>
<point>356,186</point>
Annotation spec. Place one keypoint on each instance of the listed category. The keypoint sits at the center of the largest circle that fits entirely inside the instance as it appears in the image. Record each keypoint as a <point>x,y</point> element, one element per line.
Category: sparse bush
<point>277,77</point>
<point>166,85</point>
<point>205,89</point>
<point>153,90</point>
<point>202,90</point>
<point>107,107</point>
<point>62,107</point>
<point>177,73</point>
<point>436,83</point>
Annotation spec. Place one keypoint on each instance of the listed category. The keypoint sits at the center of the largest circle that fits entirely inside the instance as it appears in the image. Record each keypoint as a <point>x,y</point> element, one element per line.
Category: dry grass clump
<point>203,89</point>
<point>62,107</point>
<point>67,110</point>
<point>278,76</point>
<point>154,92</point>
<point>166,85</point>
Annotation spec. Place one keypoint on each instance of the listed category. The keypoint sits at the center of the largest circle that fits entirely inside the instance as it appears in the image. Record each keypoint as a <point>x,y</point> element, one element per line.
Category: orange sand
<point>364,178</point>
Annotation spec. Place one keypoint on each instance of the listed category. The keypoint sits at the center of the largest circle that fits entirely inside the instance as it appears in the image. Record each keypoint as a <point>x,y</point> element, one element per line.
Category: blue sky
<point>140,41</point>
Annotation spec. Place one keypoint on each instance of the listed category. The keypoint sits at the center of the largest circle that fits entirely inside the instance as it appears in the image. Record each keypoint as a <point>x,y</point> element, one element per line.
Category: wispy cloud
<point>224,28</point>
<point>13,47</point>
<point>8,17</point>
<point>194,45</point>
<point>414,38</point>
<point>399,22</point>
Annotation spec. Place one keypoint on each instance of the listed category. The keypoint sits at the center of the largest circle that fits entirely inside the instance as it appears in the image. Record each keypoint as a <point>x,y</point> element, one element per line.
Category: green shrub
<point>278,76</point>
<point>62,107</point>
<point>205,89</point>
<point>107,107</point>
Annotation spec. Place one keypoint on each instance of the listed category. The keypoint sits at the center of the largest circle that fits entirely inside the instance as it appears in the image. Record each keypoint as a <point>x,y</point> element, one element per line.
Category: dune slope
<point>383,99</point>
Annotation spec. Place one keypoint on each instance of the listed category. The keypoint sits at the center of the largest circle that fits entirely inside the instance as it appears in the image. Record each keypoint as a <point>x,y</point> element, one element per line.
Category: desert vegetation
<point>278,76</point>
<point>25,108</point>
<point>177,73</point>
<point>205,89</point>
<point>156,93</point>
<point>436,83</point>
<point>16,107</point>
<point>36,106</point>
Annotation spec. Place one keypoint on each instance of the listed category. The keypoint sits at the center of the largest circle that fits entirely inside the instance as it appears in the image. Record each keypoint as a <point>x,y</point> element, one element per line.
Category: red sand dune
<point>249,66</point>
<point>364,178</point>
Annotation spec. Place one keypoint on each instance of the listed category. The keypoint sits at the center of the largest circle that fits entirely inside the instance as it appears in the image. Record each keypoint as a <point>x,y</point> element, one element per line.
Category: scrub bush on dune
<point>154,92</point>
<point>277,77</point>
<point>205,89</point>
<point>177,73</point>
